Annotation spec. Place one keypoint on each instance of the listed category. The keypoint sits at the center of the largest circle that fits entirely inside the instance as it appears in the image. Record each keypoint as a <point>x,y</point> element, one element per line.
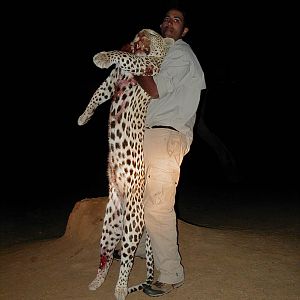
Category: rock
<point>86,220</point>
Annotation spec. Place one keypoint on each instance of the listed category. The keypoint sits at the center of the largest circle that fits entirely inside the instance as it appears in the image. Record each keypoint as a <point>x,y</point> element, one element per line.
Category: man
<point>169,133</point>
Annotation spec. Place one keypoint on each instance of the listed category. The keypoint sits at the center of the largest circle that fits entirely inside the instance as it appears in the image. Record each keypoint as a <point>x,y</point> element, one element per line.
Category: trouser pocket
<point>161,186</point>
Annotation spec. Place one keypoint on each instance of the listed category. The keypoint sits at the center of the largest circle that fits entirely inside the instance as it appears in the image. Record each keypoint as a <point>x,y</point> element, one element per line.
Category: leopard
<point>124,214</point>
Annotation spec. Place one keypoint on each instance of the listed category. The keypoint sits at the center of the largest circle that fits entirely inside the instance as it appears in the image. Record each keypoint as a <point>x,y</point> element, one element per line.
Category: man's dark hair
<point>184,12</point>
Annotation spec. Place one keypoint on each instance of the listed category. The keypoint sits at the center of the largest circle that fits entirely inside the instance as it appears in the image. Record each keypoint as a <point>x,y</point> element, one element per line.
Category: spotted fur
<point>124,216</point>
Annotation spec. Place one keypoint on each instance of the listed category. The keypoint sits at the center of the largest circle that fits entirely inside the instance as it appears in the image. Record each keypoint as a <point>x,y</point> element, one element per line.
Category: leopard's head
<point>149,42</point>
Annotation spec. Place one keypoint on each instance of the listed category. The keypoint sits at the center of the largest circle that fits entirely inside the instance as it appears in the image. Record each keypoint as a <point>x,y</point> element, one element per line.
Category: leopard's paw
<point>96,283</point>
<point>84,118</point>
<point>120,293</point>
<point>101,60</point>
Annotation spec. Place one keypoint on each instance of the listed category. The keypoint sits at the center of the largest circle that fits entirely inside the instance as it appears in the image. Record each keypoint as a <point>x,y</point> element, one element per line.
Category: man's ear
<point>185,31</point>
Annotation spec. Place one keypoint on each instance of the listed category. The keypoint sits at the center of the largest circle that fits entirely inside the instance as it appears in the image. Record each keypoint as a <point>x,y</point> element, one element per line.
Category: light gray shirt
<point>179,84</point>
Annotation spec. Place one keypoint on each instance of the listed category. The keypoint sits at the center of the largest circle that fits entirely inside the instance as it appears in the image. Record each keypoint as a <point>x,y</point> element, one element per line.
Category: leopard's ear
<point>169,41</point>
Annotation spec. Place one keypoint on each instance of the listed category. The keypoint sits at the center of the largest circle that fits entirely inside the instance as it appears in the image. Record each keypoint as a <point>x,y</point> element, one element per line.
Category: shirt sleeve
<point>174,71</point>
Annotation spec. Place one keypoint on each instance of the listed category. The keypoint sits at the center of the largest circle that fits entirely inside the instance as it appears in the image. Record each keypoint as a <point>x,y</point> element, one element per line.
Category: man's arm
<point>146,82</point>
<point>148,85</point>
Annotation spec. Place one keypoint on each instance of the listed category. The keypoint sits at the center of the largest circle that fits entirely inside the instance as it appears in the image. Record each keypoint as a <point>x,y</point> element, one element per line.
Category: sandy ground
<point>219,264</point>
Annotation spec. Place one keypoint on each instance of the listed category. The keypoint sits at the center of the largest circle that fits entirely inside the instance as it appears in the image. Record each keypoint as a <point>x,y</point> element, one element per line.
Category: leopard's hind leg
<point>133,229</point>
<point>111,235</point>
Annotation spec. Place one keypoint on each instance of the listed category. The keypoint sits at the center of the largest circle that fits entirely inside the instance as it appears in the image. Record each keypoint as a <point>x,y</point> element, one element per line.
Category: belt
<point>161,126</point>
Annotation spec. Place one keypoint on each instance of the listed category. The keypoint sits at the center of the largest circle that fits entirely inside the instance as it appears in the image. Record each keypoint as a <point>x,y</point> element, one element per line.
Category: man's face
<point>173,25</point>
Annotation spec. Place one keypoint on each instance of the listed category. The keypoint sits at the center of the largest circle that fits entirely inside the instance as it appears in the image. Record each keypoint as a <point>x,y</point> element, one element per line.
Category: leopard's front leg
<point>132,63</point>
<point>101,95</point>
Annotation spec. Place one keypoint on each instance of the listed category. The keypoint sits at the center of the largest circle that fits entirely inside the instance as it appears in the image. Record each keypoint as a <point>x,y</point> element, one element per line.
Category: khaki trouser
<point>164,150</point>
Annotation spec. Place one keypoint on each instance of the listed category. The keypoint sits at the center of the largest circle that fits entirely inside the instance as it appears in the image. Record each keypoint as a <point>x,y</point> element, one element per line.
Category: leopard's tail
<point>150,269</point>
<point>140,286</point>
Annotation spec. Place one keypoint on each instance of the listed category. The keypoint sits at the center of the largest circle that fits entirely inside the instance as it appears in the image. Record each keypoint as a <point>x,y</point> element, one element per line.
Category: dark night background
<point>49,161</point>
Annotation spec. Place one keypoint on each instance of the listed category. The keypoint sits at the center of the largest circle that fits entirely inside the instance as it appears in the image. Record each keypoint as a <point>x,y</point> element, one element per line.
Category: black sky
<point>51,77</point>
